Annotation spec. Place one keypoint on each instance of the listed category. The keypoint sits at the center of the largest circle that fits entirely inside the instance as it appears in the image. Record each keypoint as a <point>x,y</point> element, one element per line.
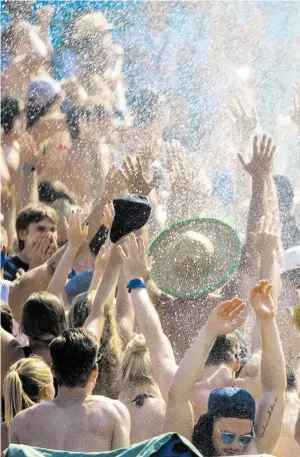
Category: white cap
<point>43,90</point>
<point>291,259</point>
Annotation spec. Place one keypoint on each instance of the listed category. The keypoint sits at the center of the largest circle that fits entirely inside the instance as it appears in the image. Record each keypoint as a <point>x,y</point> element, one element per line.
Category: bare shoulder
<point>35,412</point>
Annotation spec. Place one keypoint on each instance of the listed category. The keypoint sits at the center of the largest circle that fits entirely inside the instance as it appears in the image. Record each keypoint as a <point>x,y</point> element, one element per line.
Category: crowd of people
<point>142,291</point>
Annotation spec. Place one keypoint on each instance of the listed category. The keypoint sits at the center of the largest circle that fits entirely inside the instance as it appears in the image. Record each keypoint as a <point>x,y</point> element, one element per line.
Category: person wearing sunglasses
<point>232,425</point>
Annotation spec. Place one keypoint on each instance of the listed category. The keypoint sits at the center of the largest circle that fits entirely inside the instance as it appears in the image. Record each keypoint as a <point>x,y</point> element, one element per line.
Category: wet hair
<point>43,317</point>
<point>98,240</point>
<point>110,349</point>
<point>224,351</point>
<point>143,104</point>
<point>6,318</point>
<point>34,212</point>
<point>74,357</point>
<point>202,435</point>
<point>291,378</point>
<point>25,385</point>
<point>50,191</point>
<point>77,111</point>
<point>35,111</point>
<point>285,193</point>
<point>10,111</point>
<point>136,367</point>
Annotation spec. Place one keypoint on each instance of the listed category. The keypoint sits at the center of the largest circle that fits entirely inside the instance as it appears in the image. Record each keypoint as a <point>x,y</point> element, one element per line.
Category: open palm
<point>227,317</point>
<point>261,300</point>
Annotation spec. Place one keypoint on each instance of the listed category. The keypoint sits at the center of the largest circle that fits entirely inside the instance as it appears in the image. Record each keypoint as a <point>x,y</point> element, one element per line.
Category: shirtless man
<point>77,421</point>
<point>287,445</point>
<point>232,425</point>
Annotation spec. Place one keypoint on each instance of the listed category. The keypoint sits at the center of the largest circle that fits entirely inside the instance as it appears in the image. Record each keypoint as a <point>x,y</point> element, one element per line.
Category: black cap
<point>231,402</point>
<point>132,212</point>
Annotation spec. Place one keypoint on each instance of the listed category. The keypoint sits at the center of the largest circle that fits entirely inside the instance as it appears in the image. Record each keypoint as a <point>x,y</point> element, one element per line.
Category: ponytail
<point>25,385</point>
<point>136,365</point>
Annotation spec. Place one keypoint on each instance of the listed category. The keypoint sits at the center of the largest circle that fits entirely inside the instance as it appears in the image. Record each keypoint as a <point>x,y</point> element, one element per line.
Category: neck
<point>130,391</point>
<point>73,395</point>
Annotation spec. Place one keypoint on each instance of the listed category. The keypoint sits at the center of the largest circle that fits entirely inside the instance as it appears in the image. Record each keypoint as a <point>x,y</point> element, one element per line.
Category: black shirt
<point>12,266</point>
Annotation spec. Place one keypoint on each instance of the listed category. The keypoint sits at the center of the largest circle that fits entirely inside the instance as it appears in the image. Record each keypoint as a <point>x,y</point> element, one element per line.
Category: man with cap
<point>232,425</point>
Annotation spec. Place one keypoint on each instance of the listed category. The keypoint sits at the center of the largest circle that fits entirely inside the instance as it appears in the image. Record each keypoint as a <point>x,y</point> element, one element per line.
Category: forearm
<point>272,359</point>
<point>259,203</point>
<point>58,281</point>
<point>28,188</point>
<point>94,220</point>
<point>191,367</point>
<point>33,281</point>
<point>96,279</point>
<point>124,311</point>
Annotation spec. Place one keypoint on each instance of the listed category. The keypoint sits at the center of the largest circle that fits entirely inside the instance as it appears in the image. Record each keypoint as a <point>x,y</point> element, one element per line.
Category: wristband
<point>27,169</point>
<point>136,283</point>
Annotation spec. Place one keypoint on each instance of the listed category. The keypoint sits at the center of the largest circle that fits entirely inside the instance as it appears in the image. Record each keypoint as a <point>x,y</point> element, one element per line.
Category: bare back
<point>91,424</point>
<point>146,420</point>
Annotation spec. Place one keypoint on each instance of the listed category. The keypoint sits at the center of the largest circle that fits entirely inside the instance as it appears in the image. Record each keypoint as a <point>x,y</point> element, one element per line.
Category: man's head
<point>34,221</point>
<point>225,351</point>
<point>10,114</point>
<point>228,426</point>
<point>74,358</point>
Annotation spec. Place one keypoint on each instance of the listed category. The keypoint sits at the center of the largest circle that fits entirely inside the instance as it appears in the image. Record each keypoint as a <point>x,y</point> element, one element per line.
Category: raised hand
<point>108,215</point>
<point>261,300</point>
<point>295,110</point>
<point>76,234</point>
<point>102,257</point>
<point>134,177</point>
<point>114,183</point>
<point>227,317</point>
<point>245,123</point>
<point>261,163</point>
<point>133,254</point>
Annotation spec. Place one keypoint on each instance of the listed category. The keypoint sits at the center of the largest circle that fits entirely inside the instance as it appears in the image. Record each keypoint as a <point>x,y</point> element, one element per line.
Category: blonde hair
<point>136,367</point>
<point>25,385</point>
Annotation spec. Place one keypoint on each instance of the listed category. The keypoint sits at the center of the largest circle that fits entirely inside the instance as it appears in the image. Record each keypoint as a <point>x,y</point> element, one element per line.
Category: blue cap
<point>78,284</point>
<point>231,402</point>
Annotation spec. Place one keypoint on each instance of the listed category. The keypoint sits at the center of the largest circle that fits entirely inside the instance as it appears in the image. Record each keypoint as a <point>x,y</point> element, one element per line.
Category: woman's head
<point>136,367</point>
<point>29,381</point>
<point>43,317</point>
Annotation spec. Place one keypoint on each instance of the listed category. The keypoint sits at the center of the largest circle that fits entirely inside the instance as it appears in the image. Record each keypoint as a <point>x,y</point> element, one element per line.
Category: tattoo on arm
<point>270,412</point>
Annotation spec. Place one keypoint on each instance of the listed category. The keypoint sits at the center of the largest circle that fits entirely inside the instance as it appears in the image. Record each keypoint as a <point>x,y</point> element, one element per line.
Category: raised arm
<point>271,406</point>
<point>161,352</point>
<point>76,237</point>
<point>105,294</point>
<point>224,319</point>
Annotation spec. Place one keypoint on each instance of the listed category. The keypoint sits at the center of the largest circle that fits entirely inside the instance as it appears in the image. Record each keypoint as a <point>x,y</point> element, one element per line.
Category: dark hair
<point>285,192</point>
<point>143,105</point>
<point>291,379</point>
<point>50,191</point>
<point>75,112</point>
<point>98,240</point>
<point>10,110</point>
<point>43,317</point>
<point>35,111</point>
<point>74,357</point>
<point>6,318</point>
<point>34,212</point>
<point>202,435</point>
<point>225,350</point>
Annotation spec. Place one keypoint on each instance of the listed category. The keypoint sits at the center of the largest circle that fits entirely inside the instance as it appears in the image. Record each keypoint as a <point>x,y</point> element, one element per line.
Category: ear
<point>95,372</point>
<point>52,371</point>
<point>236,365</point>
<point>22,234</point>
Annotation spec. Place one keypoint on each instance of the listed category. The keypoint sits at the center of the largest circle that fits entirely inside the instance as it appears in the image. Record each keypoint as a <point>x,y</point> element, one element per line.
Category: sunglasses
<point>228,437</point>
